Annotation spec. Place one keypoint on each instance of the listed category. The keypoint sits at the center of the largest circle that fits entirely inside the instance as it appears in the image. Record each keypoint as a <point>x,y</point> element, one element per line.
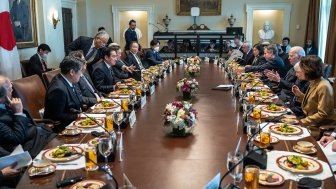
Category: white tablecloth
<point>331,155</point>
<point>69,165</point>
<point>272,165</point>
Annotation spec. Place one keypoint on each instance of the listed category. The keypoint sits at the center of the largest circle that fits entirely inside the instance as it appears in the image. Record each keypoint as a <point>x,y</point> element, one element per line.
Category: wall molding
<point>250,7</point>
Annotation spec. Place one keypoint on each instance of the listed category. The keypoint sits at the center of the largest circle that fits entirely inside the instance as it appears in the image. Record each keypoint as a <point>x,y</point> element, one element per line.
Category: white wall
<point>98,13</point>
<point>46,32</point>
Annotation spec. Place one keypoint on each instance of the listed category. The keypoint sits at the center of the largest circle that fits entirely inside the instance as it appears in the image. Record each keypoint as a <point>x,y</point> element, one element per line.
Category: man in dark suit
<point>103,76</point>
<point>152,56</point>
<point>88,92</point>
<point>62,100</point>
<point>134,60</point>
<point>16,126</point>
<point>274,62</point>
<point>118,69</point>
<point>285,84</point>
<point>309,48</point>
<point>91,47</point>
<point>37,63</point>
<point>248,56</point>
<point>130,34</point>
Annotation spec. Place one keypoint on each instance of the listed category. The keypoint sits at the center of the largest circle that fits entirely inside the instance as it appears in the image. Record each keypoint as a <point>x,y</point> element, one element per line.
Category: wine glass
<point>234,158</point>
<point>132,99</point>
<point>105,149</point>
<point>118,117</point>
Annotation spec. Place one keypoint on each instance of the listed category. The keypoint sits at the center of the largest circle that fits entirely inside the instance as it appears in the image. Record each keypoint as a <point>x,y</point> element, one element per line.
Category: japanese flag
<point>9,56</point>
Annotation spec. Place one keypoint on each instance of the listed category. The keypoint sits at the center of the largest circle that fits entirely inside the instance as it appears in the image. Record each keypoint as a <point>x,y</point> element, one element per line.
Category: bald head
<point>5,89</point>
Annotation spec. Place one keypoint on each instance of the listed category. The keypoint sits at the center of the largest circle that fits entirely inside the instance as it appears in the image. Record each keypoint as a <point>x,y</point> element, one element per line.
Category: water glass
<point>105,148</point>
<point>233,159</point>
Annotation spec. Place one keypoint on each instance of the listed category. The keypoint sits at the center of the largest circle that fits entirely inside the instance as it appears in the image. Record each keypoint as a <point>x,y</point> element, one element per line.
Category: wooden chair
<point>23,65</point>
<point>32,91</point>
<point>48,76</point>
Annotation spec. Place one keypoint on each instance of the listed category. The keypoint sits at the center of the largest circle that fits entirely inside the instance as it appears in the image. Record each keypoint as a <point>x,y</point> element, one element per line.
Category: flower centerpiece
<point>180,118</point>
<point>193,66</point>
<point>188,87</point>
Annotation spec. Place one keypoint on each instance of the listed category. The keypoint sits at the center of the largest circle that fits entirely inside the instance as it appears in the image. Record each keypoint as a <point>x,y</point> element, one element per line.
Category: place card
<point>216,61</point>
<point>143,101</point>
<point>132,118</point>
<point>214,182</point>
<point>152,89</point>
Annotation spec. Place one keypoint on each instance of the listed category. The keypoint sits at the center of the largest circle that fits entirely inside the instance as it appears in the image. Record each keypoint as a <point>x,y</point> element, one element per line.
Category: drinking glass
<point>256,113</point>
<point>132,99</point>
<point>252,129</point>
<point>118,117</point>
<point>124,104</point>
<point>265,139</point>
<point>90,158</point>
<point>232,159</point>
<point>105,149</point>
<point>109,121</point>
<point>251,177</point>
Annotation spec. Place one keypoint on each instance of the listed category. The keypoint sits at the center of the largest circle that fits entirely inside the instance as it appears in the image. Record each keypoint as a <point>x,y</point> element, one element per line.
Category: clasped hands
<point>273,76</point>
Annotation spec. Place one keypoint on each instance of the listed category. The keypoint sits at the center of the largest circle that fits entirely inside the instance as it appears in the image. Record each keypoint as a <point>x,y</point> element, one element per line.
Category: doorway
<point>143,16</point>
<point>67,26</point>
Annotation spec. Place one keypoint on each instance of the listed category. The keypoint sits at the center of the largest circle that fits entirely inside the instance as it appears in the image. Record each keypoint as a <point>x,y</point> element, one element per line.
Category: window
<point>323,27</point>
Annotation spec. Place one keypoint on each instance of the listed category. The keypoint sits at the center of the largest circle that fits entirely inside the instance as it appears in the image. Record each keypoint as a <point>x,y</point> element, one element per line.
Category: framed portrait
<point>23,17</point>
<point>207,7</point>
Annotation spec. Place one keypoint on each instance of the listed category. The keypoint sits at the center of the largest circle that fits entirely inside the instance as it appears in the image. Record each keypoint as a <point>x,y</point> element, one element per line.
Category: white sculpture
<point>266,34</point>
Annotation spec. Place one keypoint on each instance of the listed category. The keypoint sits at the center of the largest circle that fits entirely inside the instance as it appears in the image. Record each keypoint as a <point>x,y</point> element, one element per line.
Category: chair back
<point>327,69</point>
<point>48,76</point>
<point>23,65</point>
<point>31,91</point>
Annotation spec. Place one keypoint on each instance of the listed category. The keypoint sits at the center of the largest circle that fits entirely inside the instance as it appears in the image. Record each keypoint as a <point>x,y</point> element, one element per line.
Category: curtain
<point>330,55</point>
<point>313,22</point>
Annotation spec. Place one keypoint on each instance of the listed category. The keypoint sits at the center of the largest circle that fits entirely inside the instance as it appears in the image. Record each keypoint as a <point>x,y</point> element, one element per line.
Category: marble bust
<point>266,34</point>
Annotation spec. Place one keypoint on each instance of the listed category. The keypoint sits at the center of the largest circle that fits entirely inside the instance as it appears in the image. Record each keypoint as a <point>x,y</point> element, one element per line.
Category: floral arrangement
<point>187,85</point>
<point>193,66</point>
<point>180,118</point>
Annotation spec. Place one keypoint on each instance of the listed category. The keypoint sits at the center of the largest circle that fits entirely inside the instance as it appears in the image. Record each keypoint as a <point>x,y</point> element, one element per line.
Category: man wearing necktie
<point>62,98</point>
<point>103,76</point>
<point>37,63</point>
<point>134,60</point>
<point>91,47</point>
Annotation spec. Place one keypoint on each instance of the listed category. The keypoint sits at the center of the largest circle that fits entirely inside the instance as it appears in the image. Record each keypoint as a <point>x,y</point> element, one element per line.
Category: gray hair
<point>297,67</point>
<point>71,63</point>
<point>3,90</point>
<point>299,51</point>
<point>102,34</point>
<point>248,44</point>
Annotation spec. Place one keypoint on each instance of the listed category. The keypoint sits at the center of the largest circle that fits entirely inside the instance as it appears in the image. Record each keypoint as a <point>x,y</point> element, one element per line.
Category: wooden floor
<point>154,161</point>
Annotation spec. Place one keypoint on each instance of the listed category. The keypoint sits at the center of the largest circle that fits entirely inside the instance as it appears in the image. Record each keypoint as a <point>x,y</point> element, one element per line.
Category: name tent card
<point>132,118</point>
<point>143,101</point>
<point>152,89</point>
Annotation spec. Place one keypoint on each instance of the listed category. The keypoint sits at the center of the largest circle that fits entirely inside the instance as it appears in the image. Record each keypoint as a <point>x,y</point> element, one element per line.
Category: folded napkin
<point>89,130</point>
<point>272,156</point>
<point>331,155</point>
<point>304,133</point>
<point>69,165</point>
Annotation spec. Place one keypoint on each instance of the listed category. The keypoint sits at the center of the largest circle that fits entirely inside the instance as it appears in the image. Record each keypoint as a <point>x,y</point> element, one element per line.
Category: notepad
<point>18,156</point>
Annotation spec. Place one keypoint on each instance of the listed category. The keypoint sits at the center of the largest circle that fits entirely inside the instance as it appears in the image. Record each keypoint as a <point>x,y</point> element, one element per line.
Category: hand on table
<point>325,140</point>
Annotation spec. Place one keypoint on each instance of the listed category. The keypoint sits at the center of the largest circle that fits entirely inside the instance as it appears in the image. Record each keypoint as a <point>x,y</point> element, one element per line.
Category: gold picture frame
<point>23,18</point>
<point>207,7</point>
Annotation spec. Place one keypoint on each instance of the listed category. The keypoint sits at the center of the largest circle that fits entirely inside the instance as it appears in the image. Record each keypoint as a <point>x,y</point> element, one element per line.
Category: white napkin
<point>331,155</point>
<point>69,165</point>
<point>304,133</point>
<point>272,165</point>
<point>89,130</point>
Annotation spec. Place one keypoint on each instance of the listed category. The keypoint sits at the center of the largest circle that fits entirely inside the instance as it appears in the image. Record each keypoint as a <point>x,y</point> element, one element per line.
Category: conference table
<point>152,160</point>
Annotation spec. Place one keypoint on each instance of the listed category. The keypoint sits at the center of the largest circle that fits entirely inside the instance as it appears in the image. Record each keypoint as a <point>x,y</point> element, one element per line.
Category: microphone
<point>239,162</point>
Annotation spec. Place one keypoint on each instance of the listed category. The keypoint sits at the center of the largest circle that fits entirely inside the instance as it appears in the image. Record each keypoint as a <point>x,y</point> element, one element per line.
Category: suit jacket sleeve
<point>57,102</point>
<point>73,46</point>
<point>325,98</point>
<point>128,36</point>
<point>262,67</point>
<point>16,133</point>
<point>90,101</point>
<point>99,81</point>
<point>151,59</point>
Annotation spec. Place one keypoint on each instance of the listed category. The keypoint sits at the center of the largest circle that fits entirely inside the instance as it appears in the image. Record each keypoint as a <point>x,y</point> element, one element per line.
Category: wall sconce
<point>55,19</point>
